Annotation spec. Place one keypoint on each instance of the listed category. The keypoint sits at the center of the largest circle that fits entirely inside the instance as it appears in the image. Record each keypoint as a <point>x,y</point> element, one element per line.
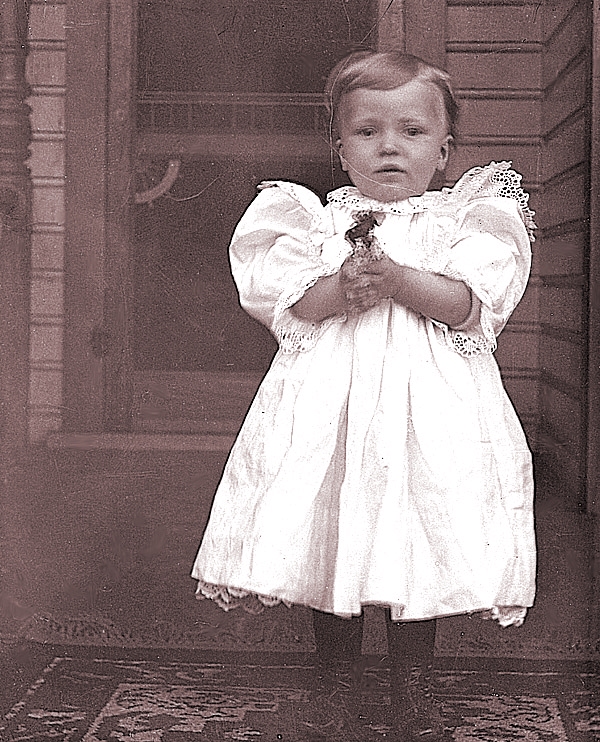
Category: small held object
<point>365,248</point>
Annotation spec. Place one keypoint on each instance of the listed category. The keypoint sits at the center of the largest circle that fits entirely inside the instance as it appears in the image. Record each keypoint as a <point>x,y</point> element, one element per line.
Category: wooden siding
<point>46,75</point>
<point>494,52</point>
<point>564,220</point>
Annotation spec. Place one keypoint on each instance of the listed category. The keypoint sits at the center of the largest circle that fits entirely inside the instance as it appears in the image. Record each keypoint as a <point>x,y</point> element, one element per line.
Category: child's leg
<point>411,649</point>
<point>411,642</point>
<point>337,639</point>
<point>339,644</point>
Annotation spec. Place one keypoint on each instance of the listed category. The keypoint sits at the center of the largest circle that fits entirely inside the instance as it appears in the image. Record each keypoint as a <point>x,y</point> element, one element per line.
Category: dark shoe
<point>416,714</point>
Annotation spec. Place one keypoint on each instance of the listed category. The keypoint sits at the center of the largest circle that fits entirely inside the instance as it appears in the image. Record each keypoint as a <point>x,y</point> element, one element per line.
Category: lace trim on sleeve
<point>470,345</point>
<point>292,333</point>
<point>463,342</point>
<point>497,179</point>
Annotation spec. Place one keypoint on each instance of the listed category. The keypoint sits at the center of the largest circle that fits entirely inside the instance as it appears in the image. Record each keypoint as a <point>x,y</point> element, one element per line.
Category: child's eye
<point>413,131</point>
<point>367,132</point>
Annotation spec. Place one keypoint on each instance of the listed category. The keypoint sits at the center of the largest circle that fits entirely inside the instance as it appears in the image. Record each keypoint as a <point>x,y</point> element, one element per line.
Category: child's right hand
<point>336,294</point>
<point>359,292</point>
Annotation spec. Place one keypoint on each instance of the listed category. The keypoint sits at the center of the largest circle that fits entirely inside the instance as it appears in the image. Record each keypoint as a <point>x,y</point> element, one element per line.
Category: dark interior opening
<point>186,311</point>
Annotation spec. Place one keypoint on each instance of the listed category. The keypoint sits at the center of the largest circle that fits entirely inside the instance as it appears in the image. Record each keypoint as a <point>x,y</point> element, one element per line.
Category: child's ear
<point>445,152</point>
<point>339,147</point>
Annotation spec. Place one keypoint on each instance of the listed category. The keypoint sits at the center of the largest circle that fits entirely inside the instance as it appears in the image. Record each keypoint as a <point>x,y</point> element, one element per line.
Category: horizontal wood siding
<point>494,54</point>
<point>485,66</point>
<point>493,24</point>
<point>564,221</point>
<point>46,76</point>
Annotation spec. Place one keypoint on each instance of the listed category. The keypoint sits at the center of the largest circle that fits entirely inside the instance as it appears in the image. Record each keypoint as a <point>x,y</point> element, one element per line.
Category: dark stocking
<point>411,649</point>
<point>410,642</point>
<point>337,639</point>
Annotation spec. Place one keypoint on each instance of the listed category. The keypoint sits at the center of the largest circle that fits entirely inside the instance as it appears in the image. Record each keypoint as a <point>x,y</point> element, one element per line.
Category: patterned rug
<point>77,695</point>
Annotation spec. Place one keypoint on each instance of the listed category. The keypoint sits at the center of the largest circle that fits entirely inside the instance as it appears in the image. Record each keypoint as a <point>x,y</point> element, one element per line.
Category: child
<point>381,461</point>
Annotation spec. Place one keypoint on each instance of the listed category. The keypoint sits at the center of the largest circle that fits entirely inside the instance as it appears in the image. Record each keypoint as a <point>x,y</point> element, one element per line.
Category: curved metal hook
<point>170,176</point>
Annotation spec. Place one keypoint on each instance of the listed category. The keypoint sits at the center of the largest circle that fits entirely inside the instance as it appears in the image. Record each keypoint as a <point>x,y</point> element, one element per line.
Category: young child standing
<point>381,461</point>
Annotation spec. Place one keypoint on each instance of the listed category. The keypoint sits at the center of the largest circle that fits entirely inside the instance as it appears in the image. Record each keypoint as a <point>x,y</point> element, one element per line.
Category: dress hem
<point>230,598</point>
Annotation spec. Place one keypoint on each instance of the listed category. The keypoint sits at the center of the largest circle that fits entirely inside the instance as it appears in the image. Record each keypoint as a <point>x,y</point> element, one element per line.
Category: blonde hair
<point>384,71</point>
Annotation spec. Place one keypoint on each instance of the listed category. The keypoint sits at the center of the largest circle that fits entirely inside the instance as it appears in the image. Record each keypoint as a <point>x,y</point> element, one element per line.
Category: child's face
<point>392,141</point>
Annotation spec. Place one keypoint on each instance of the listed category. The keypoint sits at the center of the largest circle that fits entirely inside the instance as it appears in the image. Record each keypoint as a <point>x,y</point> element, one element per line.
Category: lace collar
<point>349,197</point>
<point>495,179</point>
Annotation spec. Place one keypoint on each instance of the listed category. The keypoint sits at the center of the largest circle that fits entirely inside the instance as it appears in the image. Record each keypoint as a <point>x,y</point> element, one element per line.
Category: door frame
<point>593,458</point>
<point>100,152</point>
<point>593,421</point>
<point>100,119</point>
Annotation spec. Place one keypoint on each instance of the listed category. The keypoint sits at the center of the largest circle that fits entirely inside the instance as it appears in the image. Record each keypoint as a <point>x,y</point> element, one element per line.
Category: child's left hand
<point>384,277</point>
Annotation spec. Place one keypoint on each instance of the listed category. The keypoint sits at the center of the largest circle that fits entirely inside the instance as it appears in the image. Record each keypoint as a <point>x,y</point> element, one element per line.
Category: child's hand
<point>360,293</point>
<point>384,277</point>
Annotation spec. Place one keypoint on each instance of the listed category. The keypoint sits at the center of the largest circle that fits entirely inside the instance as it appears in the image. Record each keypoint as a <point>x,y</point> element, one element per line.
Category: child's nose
<point>389,144</point>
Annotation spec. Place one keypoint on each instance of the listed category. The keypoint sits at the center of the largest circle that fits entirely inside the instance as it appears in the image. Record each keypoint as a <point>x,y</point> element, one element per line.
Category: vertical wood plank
<point>15,242</point>
<point>593,459</point>
<point>118,381</point>
<point>415,27</point>
<point>390,25</point>
<point>425,30</point>
<point>566,186</point>
<point>85,230</point>
<point>593,473</point>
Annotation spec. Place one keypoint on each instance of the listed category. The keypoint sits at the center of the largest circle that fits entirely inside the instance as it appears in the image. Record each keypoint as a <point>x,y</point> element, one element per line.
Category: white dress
<point>381,461</point>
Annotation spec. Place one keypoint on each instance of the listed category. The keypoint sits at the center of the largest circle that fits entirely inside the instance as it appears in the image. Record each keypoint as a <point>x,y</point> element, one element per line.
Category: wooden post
<point>85,225</point>
<point>15,209</point>
<point>414,27</point>
<point>390,25</point>
<point>593,421</point>
<point>425,29</point>
<point>100,108</point>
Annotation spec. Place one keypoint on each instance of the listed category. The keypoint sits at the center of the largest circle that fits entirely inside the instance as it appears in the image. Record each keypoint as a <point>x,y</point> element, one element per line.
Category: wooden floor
<point>99,541</point>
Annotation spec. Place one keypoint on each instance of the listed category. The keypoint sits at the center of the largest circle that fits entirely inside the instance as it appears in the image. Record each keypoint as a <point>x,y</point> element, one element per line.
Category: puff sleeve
<point>275,256</point>
<point>491,253</point>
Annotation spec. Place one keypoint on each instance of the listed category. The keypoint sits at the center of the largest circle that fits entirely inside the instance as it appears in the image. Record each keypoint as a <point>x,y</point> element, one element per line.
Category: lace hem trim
<point>293,334</point>
<point>506,615</point>
<point>495,179</point>
<point>230,598</point>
